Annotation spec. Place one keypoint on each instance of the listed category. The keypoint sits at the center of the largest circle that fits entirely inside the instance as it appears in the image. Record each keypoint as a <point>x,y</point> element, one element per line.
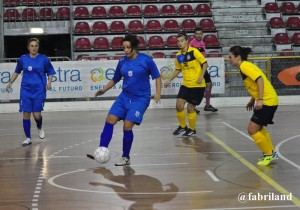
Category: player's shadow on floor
<point>212,149</point>
<point>143,190</point>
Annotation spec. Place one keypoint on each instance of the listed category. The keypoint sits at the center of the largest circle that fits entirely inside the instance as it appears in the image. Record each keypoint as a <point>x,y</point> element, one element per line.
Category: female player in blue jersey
<point>36,67</point>
<point>130,106</point>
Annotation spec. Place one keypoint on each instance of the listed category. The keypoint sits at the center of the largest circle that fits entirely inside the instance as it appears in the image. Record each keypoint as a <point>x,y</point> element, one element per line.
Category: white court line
<point>284,158</point>
<point>253,207</point>
<point>276,148</point>
<point>51,182</point>
<point>212,176</point>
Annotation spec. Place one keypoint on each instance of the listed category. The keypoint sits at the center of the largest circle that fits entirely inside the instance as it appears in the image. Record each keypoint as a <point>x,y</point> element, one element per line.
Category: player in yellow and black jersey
<point>192,64</point>
<point>263,102</point>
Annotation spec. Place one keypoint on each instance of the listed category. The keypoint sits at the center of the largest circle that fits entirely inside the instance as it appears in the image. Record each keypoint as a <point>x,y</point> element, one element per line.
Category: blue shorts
<point>129,109</point>
<point>31,105</point>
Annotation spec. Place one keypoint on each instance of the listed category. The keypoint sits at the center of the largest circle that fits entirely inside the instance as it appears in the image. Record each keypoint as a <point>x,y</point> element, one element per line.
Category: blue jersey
<point>34,80</point>
<point>135,74</point>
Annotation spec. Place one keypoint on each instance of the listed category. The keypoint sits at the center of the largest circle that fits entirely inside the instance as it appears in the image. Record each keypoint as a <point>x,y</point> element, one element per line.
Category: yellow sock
<point>192,120</point>
<point>268,138</point>
<point>181,118</point>
<point>262,143</point>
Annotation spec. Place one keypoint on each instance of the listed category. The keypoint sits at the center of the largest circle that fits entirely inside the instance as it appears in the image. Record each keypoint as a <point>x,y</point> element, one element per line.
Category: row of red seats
<point>156,41</point>
<point>292,22</point>
<point>286,8</point>
<point>52,2</point>
<point>138,27</point>
<point>31,14</point>
<point>100,12</point>
<point>283,38</point>
<point>150,10</point>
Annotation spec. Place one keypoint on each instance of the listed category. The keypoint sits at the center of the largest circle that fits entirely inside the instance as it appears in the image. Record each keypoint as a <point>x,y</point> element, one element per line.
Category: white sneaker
<point>123,161</point>
<point>41,133</point>
<point>26,142</point>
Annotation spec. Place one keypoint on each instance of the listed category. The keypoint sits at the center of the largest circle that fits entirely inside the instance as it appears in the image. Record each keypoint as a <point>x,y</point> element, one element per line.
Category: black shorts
<point>191,95</point>
<point>207,77</point>
<point>264,116</point>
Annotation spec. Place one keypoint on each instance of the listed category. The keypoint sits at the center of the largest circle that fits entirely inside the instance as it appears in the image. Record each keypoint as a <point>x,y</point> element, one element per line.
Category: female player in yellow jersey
<point>192,64</point>
<point>263,102</point>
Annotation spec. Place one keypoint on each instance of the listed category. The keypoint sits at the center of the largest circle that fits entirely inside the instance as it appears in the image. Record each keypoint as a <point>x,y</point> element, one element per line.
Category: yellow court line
<point>268,179</point>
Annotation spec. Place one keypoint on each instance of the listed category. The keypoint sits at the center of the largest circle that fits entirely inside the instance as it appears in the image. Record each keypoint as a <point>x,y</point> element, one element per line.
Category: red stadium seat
<point>135,26</point>
<point>81,12</point>
<point>171,25</point>
<point>82,44</point>
<point>97,1</point>
<point>213,54</point>
<point>29,14</point>
<point>98,12</point>
<point>142,44</point>
<point>63,13</point>
<point>207,25</point>
<point>271,7</point>
<point>156,42</point>
<point>293,22</point>
<point>203,10</point>
<point>11,14</point>
<point>211,40</point>
<point>296,38</point>
<point>82,27</point>
<point>282,38</point>
<point>101,43</point>
<point>12,2</point>
<point>63,2</point>
<point>46,13</point>
<point>172,41</point>
<point>81,57</point>
<point>116,11</point>
<point>288,8</point>
<point>168,9</point>
<point>276,22</point>
<point>118,56</point>
<point>151,10</point>
<point>116,42</point>
<point>134,10</point>
<point>188,24</point>
<point>101,58</point>
<point>185,9</point>
<point>158,55</point>
<point>153,25</point>
<point>117,26</point>
<point>99,27</point>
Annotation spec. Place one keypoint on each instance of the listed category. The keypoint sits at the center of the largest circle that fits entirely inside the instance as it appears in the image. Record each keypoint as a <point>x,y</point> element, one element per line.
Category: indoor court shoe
<point>266,160</point>
<point>210,108</point>
<point>189,132</point>
<point>180,130</point>
<point>197,111</point>
<point>41,132</point>
<point>275,156</point>
<point>26,142</point>
<point>123,161</point>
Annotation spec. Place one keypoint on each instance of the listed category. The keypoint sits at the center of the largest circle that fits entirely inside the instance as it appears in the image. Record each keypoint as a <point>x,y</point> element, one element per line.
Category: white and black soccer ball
<point>102,155</point>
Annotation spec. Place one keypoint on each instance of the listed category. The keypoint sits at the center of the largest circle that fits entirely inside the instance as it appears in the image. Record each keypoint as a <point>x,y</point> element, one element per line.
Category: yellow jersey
<point>190,66</point>
<point>250,73</point>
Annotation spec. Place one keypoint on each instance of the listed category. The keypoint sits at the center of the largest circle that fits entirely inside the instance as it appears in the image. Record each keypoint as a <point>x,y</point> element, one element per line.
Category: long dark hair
<point>241,51</point>
<point>134,41</point>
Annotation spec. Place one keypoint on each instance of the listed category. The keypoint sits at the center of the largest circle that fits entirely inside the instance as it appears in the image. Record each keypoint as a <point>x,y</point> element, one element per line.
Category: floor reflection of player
<point>150,189</point>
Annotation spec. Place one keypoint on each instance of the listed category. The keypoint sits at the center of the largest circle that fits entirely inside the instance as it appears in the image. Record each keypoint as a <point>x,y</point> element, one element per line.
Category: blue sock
<point>39,122</point>
<point>106,135</point>
<point>26,127</point>
<point>127,142</point>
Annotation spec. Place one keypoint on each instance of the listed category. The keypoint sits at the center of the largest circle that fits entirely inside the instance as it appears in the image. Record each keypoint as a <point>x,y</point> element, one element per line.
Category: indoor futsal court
<point>215,169</point>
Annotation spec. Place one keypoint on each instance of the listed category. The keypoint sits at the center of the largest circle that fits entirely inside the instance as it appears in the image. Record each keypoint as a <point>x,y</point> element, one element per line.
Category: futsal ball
<point>102,155</point>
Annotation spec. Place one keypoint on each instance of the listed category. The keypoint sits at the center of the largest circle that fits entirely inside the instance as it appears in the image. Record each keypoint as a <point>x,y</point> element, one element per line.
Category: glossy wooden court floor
<point>216,169</point>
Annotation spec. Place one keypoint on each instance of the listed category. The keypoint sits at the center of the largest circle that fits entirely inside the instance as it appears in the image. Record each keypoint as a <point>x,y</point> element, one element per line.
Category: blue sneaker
<point>275,156</point>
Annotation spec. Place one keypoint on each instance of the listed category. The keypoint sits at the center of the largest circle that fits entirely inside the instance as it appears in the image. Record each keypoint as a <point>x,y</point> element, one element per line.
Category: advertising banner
<point>80,79</point>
